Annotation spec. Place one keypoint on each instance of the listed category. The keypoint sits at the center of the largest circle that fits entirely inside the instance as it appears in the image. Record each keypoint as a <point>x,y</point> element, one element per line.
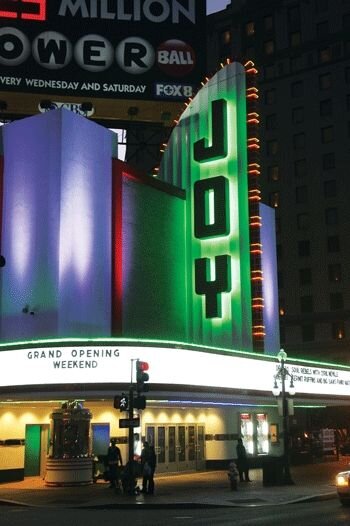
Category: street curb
<point>174,505</point>
<point>9,502</point>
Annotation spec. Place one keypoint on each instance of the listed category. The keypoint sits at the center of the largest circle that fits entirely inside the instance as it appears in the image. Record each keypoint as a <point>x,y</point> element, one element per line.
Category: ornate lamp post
<point>279,388</point>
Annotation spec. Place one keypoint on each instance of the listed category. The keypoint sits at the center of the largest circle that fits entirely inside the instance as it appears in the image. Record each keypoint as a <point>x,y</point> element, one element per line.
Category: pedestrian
<point>145,467</point>
<point>242,461</point>
<point>153,465</point>
<point>233,475</point>
<point>115,463</point>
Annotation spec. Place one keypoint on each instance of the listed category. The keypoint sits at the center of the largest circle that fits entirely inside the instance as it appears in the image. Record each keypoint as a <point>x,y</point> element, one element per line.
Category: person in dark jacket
<point>145,466</point>
<point>242,461</point>
<point>115,463</point>
<point>153,465</point>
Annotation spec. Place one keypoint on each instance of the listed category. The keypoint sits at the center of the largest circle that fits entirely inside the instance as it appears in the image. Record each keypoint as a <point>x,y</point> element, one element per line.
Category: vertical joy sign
<point>207,156</point>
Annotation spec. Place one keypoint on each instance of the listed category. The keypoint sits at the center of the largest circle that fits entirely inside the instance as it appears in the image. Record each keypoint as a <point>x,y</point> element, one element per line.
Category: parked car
<point>342,483</point>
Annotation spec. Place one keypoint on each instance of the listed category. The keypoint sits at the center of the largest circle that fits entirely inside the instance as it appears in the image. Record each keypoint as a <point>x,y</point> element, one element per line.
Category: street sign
<point>129,422</point>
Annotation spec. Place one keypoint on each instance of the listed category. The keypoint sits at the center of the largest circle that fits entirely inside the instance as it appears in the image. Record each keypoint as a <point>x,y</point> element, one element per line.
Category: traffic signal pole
<point>131,428</point>
<point>129,405</point>
<point>131,476</point>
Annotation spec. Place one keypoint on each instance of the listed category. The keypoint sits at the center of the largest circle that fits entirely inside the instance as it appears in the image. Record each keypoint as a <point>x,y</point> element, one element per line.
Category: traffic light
<point>141,376</point>
<point>140,402</point>
<point>121,402</point>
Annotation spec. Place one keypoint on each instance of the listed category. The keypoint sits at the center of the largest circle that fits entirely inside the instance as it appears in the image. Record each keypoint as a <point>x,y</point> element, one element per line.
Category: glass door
<point>178,447</point>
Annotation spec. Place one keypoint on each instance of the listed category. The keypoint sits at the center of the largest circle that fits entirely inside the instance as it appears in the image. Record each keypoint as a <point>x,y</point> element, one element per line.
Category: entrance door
<point>32,450</point>
<point>44,447</point>
<point>100,439</point>
<point>178,447</point>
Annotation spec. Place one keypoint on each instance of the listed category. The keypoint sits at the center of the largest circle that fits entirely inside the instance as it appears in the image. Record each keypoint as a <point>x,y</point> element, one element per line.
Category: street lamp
<point>280,378</point>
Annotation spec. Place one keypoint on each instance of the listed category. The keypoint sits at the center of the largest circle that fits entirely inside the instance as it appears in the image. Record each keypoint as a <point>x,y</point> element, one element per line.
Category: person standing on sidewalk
<point>153,464</point>
<point>115,463</point>
<point>145,466</point>
<point>242,461</point>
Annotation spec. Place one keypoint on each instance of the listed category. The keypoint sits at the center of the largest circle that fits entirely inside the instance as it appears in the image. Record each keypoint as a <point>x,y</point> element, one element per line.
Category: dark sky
<point>216,5</point>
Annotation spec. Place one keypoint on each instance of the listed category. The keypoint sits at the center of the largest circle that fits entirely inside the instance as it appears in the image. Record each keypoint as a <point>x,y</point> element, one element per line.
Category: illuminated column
<point>207,156</point>
<point>56,227</point>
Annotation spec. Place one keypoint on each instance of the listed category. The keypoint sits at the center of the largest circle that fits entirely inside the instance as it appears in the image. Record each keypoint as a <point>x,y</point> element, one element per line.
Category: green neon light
<point>211,210</point>
<point>210,141</point>
<point>166,343</point>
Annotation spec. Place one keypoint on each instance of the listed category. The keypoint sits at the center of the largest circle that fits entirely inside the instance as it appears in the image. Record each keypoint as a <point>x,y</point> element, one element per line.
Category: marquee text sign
<point>84,364</point>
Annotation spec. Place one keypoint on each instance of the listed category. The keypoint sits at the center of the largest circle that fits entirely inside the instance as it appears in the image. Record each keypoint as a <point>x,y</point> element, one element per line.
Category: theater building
<point>105,266</point>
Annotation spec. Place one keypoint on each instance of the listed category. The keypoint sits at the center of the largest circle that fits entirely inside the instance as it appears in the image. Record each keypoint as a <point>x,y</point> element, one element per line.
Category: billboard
<point>149,50</point>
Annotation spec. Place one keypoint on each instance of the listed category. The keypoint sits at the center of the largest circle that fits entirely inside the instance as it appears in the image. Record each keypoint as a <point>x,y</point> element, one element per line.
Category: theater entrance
<point>178,447</point>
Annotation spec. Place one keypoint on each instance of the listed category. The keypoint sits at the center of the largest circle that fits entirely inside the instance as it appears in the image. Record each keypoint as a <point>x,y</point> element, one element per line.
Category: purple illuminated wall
<point>56,227</point>
<point>270,286</point>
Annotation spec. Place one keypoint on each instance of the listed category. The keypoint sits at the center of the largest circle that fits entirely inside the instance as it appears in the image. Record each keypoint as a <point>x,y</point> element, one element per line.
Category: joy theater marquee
<point>104,265</point>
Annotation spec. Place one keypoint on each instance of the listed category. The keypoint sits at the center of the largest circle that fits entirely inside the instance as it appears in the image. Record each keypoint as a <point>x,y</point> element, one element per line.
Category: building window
<point>322,30</point>
<point>296,63</point>
<point>304,248</point>
<point>330,188</point>
<point>346,21</point>
<point>305,276</point>
<point>299,141</point>
<point>348,102</point>
<point>295,39</point>
<point>324,81</point>
<point>325,55</point>
<point>298,115</point>
<point>297,89</point>
<point>331,216</point>
<point>274,199</point>
<point>336,301</point>
<point>308,333</point>
<point>271,147</point>
<point>271,122</point>
<point>270,96</point>
<point>328,161</point>
<point>269,71</point>
<point>300,168</point>
<point>269,47</point>
<point>294,16</point>
<point>303,221</point>
<point>333,244</point>
<point>249,29</point>
<point>225,37</point>
<point>334,272</point>
<point>321,6</point>
<point>306,304</point>
<point>347,75</point>
<point>326,107</point>
<point>250,53</point>
<point>301,195</point>
<point>268,23</point>
<point>338,330</point>
<point>327,134</point>
<point>273,173</point>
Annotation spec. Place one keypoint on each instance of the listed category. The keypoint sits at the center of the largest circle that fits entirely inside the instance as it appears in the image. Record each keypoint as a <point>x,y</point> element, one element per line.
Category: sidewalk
<point>190,490</point>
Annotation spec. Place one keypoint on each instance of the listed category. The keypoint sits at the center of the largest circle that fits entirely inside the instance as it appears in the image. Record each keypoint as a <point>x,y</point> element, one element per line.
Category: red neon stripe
<point>8,14</point>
